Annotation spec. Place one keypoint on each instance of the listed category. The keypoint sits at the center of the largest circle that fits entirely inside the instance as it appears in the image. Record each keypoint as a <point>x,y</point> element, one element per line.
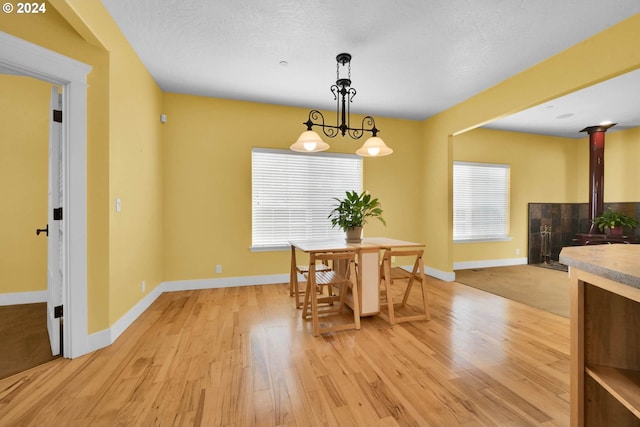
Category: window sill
<point>484,240</point>
<point>269,248</point>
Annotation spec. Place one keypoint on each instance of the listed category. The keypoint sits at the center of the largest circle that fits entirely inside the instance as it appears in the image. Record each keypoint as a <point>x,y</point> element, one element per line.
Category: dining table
<point>368,253</point>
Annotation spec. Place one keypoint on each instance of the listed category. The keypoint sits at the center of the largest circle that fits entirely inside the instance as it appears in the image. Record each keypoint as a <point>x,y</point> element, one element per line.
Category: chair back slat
<point>400,253</point>
<point>333,256</point>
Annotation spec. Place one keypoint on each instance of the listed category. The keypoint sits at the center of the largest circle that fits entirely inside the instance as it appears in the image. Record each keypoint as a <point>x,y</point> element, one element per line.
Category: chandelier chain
<point>338,70</point>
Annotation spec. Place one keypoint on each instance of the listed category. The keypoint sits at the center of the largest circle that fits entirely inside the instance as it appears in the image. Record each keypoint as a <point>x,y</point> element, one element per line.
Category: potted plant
<point>351,213</point>
<point>613,222</point>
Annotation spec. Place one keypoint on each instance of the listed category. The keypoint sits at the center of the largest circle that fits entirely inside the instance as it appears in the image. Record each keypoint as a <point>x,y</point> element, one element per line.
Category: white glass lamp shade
<point>374,147</point>
<point>309,142</point>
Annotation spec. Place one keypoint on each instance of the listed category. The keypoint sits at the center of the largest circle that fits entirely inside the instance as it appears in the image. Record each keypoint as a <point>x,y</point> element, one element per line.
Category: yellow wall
<point>123,153</point>
<point>24,148</point>
<point>542,170</point>
<point>546,169</point>
<point>605,55</point>
<point>621,169</point>
<point>621,174</point>
<point>207,182</point>
<point>185,185</point>
<point>51,31</point>
<point>134,163</point>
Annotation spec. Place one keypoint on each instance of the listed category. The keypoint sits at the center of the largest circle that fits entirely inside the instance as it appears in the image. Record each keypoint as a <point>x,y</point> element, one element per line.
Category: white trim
<point>482,164</point>
<point>15,298</point>
<point>108,336</point>
<point>30,59</point>
<point>127,320</point>
<point>438,274</point>
<point>227,282</point>
<point>297,153</point>
<point>35,61</point>
<point>447,276</point>
<point>483,240</point>
<point>99,340</point>
<point>465,265</point>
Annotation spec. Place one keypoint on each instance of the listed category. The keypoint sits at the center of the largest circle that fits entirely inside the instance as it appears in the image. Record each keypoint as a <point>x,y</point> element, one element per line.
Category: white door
<point>55,262</point>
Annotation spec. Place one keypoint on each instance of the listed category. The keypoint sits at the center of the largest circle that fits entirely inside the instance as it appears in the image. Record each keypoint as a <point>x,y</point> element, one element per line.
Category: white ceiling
<point>411,58</point>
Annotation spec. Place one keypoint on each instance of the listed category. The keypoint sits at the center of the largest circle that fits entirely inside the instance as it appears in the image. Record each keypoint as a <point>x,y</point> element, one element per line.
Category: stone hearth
<point>566,221</point>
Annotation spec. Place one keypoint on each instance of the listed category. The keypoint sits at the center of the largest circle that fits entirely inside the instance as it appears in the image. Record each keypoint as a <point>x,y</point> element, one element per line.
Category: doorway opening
<point>23,58</point>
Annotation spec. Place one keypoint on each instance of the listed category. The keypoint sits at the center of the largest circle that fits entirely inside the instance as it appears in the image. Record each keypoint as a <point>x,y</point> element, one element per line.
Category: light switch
<point>118,207</point>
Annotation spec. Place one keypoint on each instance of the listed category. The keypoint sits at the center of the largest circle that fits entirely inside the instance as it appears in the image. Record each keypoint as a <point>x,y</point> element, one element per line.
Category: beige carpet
<point>539,287</point>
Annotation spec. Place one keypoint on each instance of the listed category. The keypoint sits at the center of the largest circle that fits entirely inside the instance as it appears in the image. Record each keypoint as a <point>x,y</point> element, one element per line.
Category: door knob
<point>43,230</point>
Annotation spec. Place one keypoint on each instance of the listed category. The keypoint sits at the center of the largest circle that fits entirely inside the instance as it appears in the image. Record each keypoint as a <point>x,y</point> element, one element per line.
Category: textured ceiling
<point>411,58</point>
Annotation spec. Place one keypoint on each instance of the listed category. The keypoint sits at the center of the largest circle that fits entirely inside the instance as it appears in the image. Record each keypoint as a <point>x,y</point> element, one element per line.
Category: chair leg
<point>407,292</point>
<point>314,307</point>
<point>388,282</point>
<point>425,300</point>
<point>307,302</point>
<point>299,294</point>
<point>417,271</point>
<point>356,297</point>
<point>294,285</point>
<point>425,297</point>
<point>293,275</point>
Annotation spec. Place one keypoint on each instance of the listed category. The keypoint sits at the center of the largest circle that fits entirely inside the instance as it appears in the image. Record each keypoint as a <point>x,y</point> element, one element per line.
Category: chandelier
<point>309,141</point>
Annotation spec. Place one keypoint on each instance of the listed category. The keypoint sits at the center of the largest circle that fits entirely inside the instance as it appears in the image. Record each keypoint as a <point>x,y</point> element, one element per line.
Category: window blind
<point>292,194</point>
<point>480,201</point>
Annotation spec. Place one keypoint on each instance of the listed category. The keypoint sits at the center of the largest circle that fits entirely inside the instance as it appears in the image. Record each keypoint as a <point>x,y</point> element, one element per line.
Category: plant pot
<point>354,235</point>
<point>615,231</point>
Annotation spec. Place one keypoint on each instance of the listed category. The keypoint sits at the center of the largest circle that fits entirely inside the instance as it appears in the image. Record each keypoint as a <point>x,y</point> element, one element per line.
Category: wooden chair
<point>389,276</point>
<point>303,269</point>
<point>319,305</point>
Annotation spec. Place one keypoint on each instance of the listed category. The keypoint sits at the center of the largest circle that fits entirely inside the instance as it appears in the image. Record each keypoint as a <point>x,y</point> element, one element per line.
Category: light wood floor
<point>243,357</point>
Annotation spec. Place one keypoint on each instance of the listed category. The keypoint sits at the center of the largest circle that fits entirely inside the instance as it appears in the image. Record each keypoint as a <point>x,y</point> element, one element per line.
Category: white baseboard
<point>99,340</point>
<point>15,298</point>
<point>447,276</point>
<point>227,282</point>
<point>465,265</point>
<point>108,336</point>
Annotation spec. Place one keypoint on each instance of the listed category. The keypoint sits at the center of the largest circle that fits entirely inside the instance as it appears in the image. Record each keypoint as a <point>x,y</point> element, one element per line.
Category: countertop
<point>618,262</point>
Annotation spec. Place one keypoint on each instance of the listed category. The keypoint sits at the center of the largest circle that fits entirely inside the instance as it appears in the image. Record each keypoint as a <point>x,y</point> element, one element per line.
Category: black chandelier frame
<point>343,94</point>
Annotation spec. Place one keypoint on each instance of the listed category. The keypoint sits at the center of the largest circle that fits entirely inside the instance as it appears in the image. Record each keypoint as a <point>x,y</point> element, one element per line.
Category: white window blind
<point>480,201</point>
<point>292,194</point>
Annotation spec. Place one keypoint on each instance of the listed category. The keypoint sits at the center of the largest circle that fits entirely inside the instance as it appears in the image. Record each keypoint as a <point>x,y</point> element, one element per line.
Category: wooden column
<point>596,171</point>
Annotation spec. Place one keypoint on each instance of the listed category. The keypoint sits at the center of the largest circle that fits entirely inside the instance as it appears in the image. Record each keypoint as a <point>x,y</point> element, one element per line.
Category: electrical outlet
<point>518,251</point>
<point>218,268</point>
<point>143,286</point>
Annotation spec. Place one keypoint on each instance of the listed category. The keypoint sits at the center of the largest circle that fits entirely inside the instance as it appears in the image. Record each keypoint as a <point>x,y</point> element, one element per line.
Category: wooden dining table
<point>368,259</point>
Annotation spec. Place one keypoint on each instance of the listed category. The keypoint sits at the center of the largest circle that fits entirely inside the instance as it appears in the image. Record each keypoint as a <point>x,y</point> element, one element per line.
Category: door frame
<point>28,59</point>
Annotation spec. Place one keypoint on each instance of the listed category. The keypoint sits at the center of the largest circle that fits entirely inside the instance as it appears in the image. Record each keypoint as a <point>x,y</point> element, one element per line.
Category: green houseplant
<point>351,213</point>
<point>613,222</point>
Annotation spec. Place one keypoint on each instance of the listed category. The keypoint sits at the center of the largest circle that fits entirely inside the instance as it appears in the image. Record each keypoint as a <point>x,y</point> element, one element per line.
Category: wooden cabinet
<point>605,334</point>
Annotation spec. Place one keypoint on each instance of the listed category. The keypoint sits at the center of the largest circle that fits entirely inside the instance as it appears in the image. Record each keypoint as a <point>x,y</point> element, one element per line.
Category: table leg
<point>369,281</point>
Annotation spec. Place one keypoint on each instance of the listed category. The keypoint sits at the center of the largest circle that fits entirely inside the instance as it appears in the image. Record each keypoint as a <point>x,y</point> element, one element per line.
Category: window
<point>480,201</point>
<point>293,193</point>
